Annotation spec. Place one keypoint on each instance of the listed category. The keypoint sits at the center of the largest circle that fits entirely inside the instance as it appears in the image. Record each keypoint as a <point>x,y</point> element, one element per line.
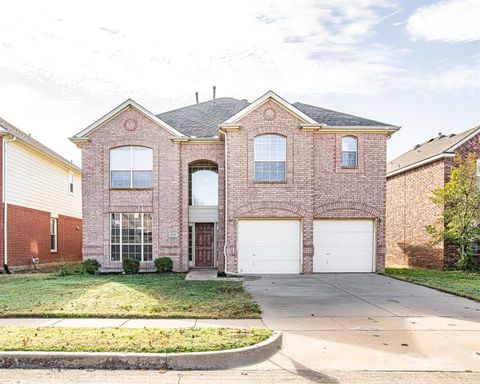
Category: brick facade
<point>316,186</point>
<point>410,210</point>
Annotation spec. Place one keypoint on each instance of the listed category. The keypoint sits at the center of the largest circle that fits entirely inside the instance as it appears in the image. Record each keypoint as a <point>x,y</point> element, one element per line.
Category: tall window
<point>270,156</point>
<point>53,234</point>
<point>70,182</point>
<point>131,236</point>
<point>203,184</point>
<point>349,151</point>
<point>131,167</point>
<point>478,167</point>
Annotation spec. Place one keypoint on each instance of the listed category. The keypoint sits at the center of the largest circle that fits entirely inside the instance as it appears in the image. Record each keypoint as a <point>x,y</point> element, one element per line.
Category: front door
<point>204,245</point>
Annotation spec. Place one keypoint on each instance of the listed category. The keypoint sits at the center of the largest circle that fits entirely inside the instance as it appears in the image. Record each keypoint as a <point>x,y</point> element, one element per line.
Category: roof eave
<point>421,163</point>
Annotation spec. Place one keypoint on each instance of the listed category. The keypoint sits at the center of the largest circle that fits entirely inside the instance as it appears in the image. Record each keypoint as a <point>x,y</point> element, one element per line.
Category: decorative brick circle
<point>269,114</point>
<point>130,124</point>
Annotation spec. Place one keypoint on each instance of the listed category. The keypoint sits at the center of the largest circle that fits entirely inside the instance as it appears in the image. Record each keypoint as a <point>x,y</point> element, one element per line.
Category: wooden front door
<point>204,245</point>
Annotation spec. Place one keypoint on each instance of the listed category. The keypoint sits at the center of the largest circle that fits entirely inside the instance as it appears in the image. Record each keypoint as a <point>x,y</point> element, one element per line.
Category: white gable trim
<point>82,136</point>
<point>464,140</point>
<point>419,164</point>
<point>270,95</point>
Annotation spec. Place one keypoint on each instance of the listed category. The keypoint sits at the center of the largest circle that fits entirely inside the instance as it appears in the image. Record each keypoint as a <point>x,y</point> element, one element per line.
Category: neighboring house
<point>410,181</point>
<point>300,188</point>
<point>42,199</point>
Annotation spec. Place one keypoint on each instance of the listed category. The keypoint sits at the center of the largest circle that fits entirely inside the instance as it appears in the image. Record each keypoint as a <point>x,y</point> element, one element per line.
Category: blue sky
<point>411,63</point>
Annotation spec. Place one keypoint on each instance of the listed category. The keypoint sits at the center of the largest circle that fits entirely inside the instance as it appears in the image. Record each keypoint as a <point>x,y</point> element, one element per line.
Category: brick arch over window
<point>203,161</point>
<point>260,205</point>
<point>325,210</point>
<point>266,130</point>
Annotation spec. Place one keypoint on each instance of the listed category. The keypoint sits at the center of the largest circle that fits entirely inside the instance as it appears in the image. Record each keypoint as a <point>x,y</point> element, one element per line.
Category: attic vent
<point>417,146</point>
<point>452,134</point>
<point>429,141</point>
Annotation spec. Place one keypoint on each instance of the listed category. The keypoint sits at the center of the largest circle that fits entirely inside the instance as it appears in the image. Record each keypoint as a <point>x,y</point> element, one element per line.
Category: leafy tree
<point>460,198</point>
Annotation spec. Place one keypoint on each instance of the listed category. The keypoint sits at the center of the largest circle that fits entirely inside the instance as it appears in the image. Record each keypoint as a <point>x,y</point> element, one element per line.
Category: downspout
<point>5,204</point>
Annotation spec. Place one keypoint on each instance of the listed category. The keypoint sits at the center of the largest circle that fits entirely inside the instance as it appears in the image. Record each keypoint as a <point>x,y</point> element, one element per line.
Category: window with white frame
<point>349,152</point>
<point>131,167</point>
<point>53,234</point>
<point>131,236</point>
<point>70,182</point>
<point>270,157</point>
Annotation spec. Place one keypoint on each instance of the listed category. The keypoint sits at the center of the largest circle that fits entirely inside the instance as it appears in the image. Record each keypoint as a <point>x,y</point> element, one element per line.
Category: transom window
<point>131,236</point>
<point>270,155</point>
<point>349,152</point>
<point>203,184</point>
<point>131,167</point>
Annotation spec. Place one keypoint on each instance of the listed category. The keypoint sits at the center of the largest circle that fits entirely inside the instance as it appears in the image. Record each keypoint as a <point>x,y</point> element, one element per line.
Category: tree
<point>460,198</point>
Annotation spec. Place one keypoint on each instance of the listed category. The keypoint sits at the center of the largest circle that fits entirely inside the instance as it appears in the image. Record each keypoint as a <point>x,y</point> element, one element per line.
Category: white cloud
<point>447,21</point>
<point>160,49</point>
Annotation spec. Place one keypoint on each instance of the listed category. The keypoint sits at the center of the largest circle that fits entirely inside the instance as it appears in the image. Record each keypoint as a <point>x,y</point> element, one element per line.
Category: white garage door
<point>343,246</point>
<point>269,246</point>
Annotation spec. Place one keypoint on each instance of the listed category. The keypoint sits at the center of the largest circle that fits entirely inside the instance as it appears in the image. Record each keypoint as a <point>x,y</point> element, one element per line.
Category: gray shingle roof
<point>427,150</point>
<point>202,120</point>
<point>18,133</point>
<point>334,118</point>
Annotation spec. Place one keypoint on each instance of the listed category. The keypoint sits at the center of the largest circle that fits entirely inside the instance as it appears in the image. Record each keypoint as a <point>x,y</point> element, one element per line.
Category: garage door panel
<point>269,246</point>
<point>343,246</point>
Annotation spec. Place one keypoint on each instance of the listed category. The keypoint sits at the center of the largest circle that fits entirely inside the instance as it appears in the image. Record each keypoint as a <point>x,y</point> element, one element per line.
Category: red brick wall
<point>409,211</point>
<point>29,236</point>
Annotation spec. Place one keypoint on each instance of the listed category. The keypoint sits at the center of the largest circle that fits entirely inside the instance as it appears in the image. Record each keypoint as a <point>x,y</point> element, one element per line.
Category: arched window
<point>131,167</point>
<point>349,152</point>
<point>270,157</point>
<point>203,184</point>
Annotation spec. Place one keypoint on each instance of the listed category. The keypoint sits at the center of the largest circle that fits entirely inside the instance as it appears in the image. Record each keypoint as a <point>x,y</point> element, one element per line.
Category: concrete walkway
<point>133,323</point>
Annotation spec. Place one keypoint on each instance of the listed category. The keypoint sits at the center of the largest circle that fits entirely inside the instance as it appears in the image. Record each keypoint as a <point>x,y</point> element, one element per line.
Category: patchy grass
<point>128,340</point>
<point>123,296</point>
<point>456,282</point>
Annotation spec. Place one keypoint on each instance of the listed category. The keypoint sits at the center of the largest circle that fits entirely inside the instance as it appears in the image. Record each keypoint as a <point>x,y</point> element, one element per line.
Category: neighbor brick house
<point>410,180</point>
<point>262,187</point>
<point>41,214</point>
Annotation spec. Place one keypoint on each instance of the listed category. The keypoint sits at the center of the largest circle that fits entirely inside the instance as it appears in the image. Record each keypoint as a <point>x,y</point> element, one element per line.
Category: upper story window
<point>203,184</point>
<point>70,182</point>
<point>349,152</point>
<point>270,157</point>
<point>131,167</point>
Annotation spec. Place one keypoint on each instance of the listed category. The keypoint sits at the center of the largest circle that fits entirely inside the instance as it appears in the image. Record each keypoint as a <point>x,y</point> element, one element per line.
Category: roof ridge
<point>201,103</point>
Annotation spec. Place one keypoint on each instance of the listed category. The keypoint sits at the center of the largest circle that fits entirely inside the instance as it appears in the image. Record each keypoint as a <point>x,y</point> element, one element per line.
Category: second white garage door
<point>343,246</point>
<point>268,246</point>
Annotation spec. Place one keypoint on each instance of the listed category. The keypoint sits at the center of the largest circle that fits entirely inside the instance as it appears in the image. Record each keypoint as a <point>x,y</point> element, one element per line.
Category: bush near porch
<point>123,296</point>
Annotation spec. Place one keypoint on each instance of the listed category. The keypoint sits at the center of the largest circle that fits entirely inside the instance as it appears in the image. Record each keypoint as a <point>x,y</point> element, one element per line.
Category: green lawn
<point>123,296</point>
<point>456,282</point>
<point>127,340</point>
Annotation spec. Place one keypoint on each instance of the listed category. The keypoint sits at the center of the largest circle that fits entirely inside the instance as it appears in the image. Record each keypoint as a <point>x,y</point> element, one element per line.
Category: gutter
<point>420,163</point>
<point>5,203</point>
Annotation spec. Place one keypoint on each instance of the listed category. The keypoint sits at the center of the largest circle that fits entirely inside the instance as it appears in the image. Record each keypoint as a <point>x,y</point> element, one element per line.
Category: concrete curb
<point>115,360</point>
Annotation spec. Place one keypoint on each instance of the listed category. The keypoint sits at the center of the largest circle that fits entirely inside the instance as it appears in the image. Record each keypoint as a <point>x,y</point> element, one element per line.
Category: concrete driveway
<point>366,322</point>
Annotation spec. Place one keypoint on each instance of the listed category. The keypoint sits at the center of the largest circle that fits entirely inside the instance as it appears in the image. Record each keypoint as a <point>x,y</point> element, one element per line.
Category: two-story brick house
<point>41,210</point>
<point>262,187</point>
<point>411,178</point>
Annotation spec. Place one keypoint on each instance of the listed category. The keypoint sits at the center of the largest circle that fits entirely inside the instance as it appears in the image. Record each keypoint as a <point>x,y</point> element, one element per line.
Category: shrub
<point>91,266</point>
<point>71,269</point>
<point>130,266</point>
<point>164,264</point>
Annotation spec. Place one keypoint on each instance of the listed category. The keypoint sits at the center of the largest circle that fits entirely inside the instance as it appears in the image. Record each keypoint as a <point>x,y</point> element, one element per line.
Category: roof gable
<point>83,135</point>
<point>270,95</point>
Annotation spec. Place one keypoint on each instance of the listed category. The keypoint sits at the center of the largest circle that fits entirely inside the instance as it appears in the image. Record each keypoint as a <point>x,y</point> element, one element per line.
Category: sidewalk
<point>133,323</point>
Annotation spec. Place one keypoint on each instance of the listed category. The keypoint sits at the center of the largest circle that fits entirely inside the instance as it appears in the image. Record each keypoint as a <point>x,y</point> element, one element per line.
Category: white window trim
<point>71,175</point>
<point>356,152</point>
<point>121,238</point>
<point>54,220</point>
<point>270,161</point>
<point>131,167</point>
